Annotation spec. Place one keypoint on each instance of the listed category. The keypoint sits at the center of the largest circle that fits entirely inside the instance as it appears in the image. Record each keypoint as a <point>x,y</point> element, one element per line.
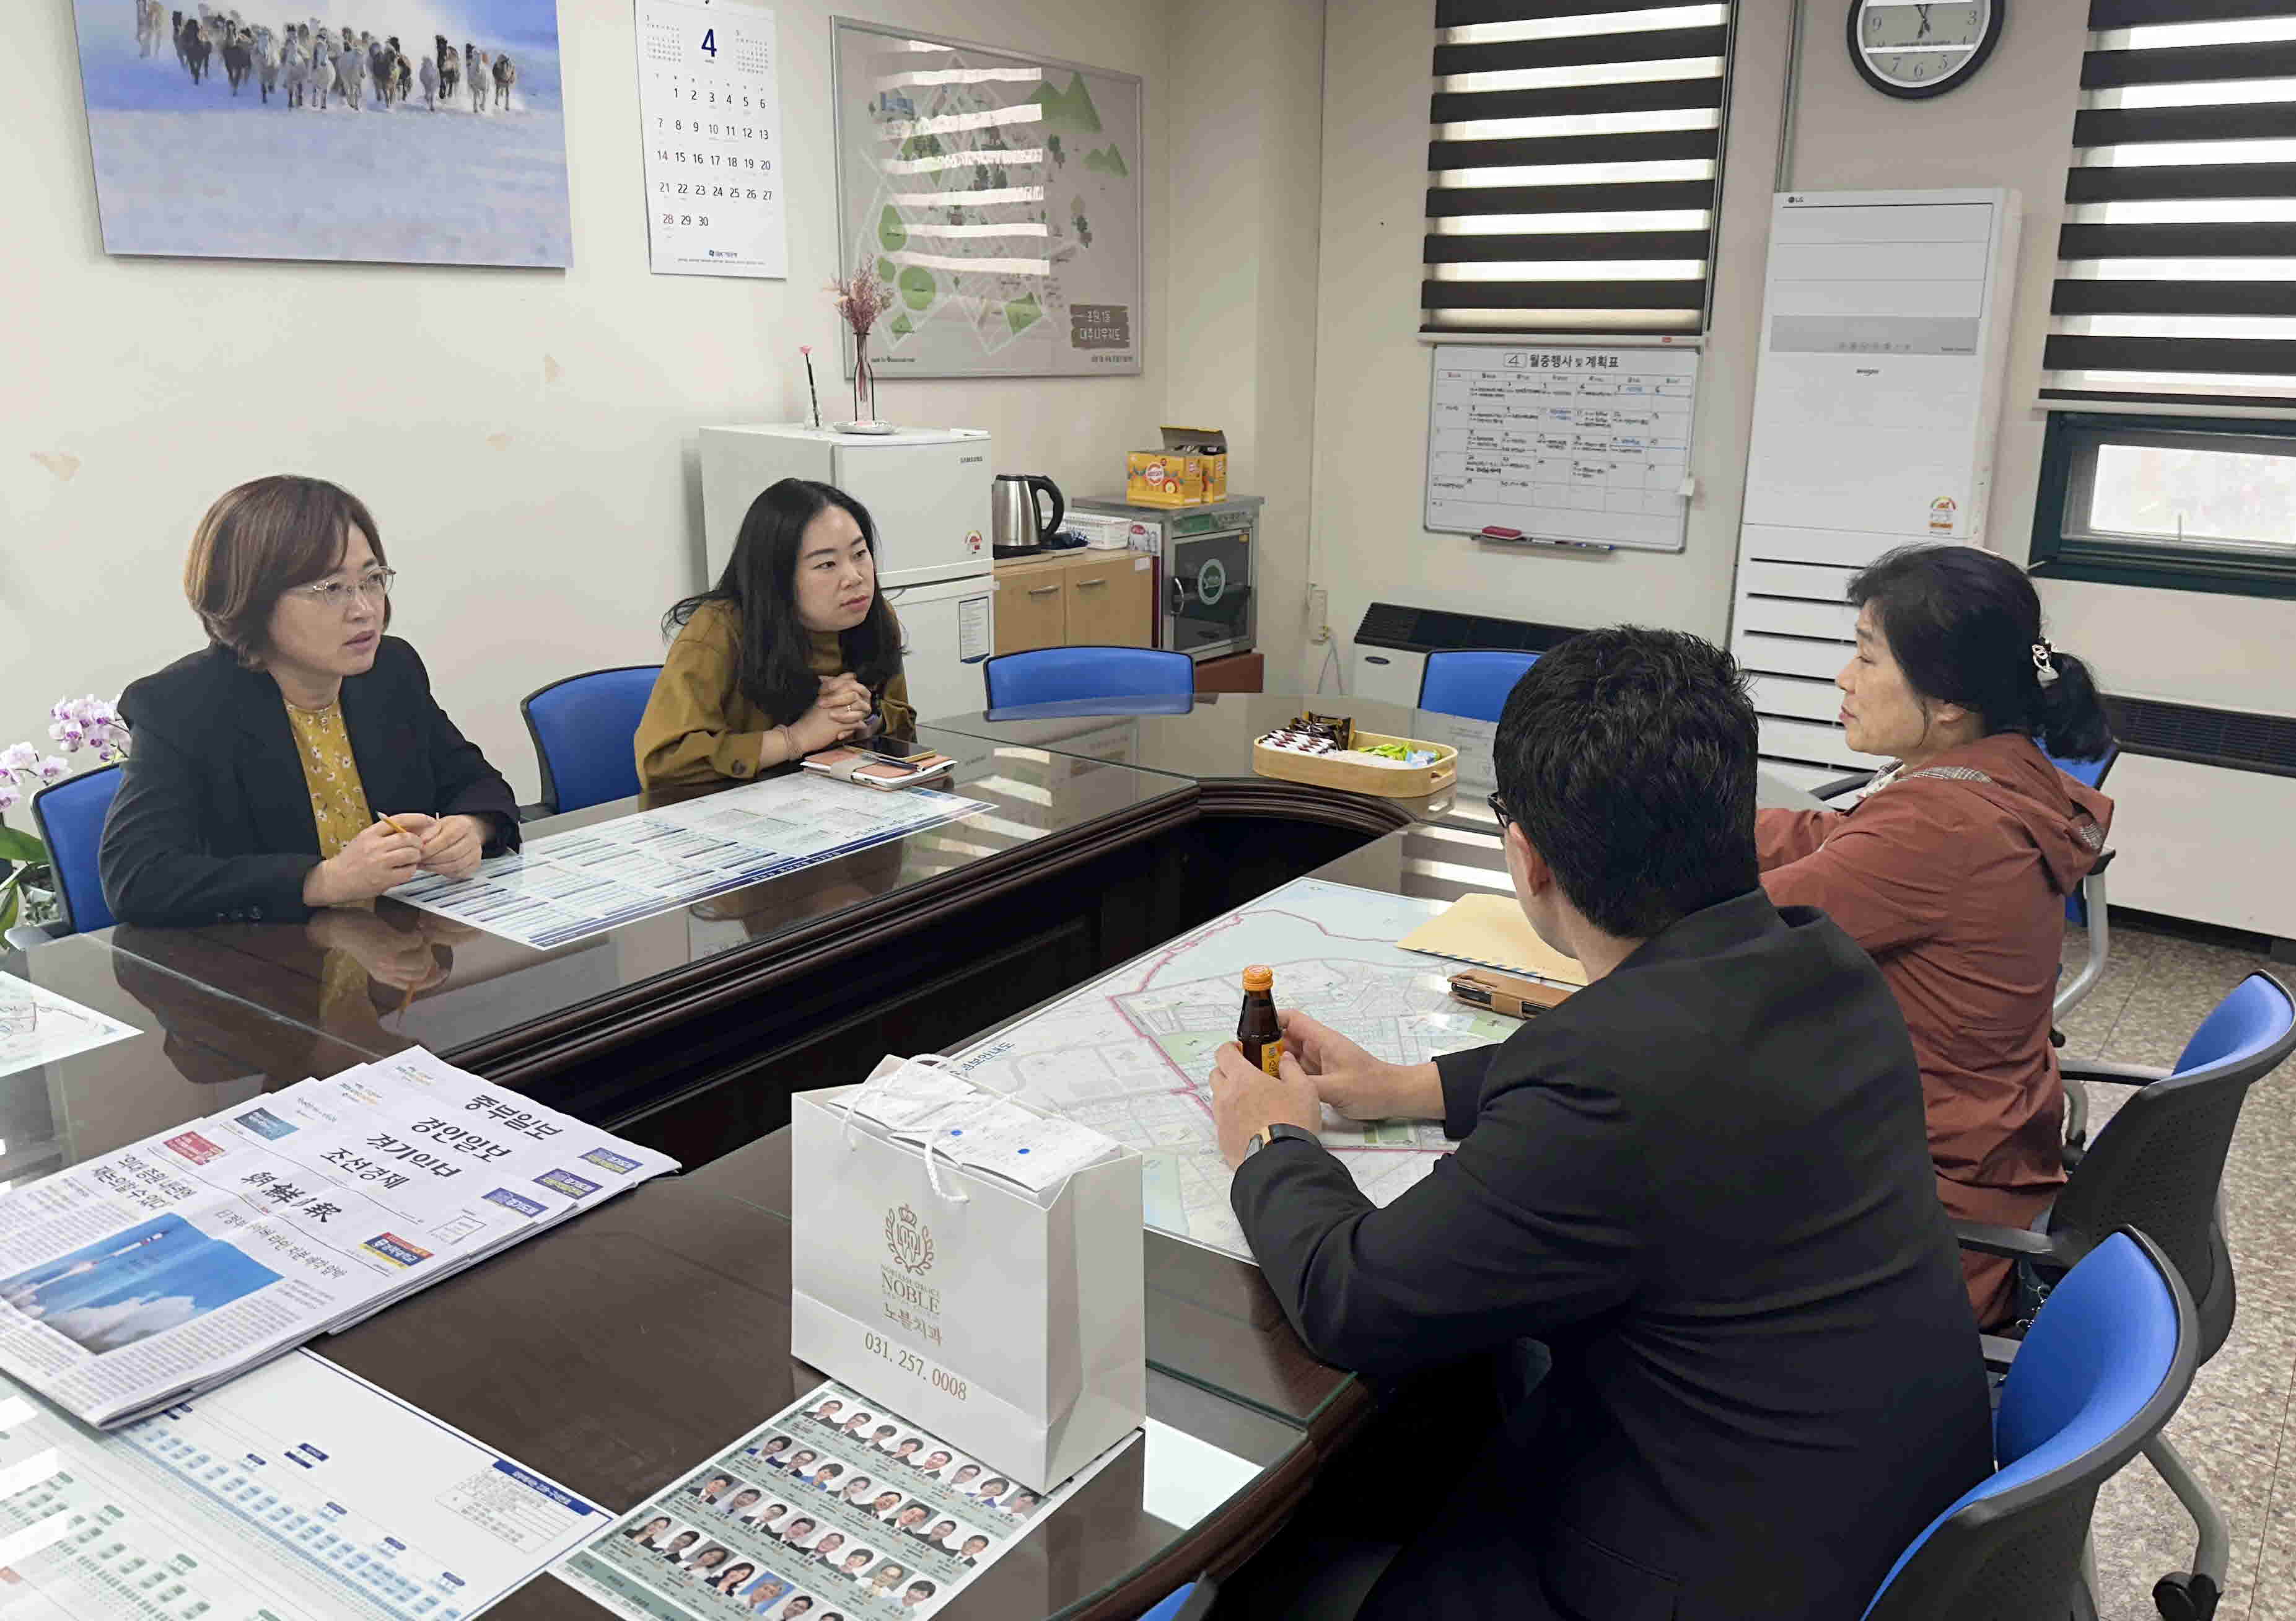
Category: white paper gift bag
<point>971,1264</point>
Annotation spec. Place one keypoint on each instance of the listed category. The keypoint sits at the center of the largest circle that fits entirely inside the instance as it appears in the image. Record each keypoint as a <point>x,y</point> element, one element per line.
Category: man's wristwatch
<point>1279,1133</point>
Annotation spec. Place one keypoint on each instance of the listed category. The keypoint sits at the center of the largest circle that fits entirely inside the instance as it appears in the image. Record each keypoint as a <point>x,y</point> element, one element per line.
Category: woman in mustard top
<point>299,762</point>
<point>793,651</point>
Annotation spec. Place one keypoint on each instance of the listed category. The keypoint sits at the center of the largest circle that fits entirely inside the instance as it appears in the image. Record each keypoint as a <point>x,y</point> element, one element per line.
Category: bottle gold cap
<point>1259,978</point>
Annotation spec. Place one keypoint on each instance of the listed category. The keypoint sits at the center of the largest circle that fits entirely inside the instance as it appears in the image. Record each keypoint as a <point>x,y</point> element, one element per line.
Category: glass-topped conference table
<point>618,1351</point>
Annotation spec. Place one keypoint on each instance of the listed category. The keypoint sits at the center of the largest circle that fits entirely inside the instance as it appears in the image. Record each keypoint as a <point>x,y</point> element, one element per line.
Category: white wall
<point>523,436</point>
<point>2012,126</point>
<point>1246,120</point>
<point>1372,371</point>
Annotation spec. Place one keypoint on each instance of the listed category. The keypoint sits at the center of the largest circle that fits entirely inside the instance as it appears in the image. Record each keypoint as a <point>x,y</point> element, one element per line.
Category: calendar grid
<point>709,103</point>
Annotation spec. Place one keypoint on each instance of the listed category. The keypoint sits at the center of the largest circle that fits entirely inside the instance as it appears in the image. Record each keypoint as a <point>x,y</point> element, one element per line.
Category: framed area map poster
<point>1001,196</point>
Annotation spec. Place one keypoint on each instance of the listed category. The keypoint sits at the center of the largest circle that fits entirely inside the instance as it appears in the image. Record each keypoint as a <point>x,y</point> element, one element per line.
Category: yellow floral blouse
<point>338,806</point>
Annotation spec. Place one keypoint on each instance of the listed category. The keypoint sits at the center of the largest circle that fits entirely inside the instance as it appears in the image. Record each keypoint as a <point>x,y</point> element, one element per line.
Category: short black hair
<point>1628,756</point>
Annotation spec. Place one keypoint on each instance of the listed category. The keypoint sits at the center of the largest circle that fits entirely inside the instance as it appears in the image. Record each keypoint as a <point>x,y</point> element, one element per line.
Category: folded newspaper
<point>132,1281</point>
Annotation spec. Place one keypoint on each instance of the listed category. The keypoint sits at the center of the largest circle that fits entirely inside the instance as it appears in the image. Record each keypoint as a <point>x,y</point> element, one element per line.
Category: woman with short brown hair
<point>299,760</point>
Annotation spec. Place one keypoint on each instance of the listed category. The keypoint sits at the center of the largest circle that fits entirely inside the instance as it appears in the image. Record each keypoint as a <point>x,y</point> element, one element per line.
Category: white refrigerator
<point>926,490</point>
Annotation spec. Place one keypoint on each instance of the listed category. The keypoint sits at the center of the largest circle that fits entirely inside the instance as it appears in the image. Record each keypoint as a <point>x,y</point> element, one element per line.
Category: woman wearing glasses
<point>266,766</point>
<point>792,651</point>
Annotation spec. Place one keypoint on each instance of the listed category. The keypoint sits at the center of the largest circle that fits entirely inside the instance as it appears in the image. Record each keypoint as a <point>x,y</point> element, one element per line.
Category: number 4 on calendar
<point>709,43</point>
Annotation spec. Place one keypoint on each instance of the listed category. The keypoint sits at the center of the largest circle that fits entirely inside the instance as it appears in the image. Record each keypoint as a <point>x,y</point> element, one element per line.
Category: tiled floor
<point>2233,1430</point>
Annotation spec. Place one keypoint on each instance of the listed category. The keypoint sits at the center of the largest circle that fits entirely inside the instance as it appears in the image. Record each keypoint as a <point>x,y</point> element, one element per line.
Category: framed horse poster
<point>409,131</point>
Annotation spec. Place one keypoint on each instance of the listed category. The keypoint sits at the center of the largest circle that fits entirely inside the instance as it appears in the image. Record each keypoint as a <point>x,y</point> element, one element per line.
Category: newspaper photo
<point>168,1266</point>
<point>834,1510</point>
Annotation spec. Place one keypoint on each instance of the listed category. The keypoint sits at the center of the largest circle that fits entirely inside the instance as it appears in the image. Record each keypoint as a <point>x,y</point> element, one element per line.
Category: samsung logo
<point>970,461</point>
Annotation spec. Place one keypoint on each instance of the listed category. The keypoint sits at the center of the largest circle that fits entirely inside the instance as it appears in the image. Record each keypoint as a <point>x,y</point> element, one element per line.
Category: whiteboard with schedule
<point>1576,445</point>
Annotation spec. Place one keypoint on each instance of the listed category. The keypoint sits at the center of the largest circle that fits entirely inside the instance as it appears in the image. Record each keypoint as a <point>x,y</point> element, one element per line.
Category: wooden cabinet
<point>1108,603</point>
<point>1077,599</point>
<point>1031,607</point>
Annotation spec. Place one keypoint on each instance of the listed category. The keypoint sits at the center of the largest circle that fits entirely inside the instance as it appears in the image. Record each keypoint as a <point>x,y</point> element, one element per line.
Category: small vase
<point>865,393</point>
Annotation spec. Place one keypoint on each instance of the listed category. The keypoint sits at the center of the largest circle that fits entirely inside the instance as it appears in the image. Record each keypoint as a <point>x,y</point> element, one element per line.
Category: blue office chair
<point>584,729</point>
<point>70,815</point>
<point>2107,1361</point>
<point>1190,1602</point>
<point>1073,675</point>
<point>2158,1165</point>
<point>1474,683</point>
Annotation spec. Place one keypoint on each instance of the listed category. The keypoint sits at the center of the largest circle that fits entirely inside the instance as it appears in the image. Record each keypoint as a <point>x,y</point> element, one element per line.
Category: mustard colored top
<point>338,807</point>
<point>699,727</point>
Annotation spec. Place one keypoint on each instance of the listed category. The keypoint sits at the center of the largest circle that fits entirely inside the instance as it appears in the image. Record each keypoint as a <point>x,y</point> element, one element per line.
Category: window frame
<point>2105,557</point>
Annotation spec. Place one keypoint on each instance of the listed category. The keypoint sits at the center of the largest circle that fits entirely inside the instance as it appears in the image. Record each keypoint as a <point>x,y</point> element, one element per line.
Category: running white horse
<point>481,76</point>
<point>267,64</point>
<point>428,72</point>
<point>350,76</point>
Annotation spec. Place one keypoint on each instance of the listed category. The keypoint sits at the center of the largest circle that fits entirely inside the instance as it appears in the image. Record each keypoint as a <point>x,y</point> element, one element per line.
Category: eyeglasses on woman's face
<point>1499,811</point>
<point>374,585</point>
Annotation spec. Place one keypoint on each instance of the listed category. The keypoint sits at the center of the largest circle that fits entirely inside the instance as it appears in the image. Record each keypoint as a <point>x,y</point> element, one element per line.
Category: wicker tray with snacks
<point>1330,753</point>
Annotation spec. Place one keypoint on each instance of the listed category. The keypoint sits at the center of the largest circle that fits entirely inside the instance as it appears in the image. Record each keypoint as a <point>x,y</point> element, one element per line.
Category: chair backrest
<point>2159,1163</point>
<point>2088,773</point>
<point>2110,1356</point>
<point>71,816</point>
<point>1068,675</point>
<point>584,729</point>
<point>1474,682</point>
<point>1178,1603</point>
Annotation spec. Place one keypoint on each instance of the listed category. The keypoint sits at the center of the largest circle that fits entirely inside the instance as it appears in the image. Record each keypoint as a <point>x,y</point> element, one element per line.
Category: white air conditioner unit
<point>1885,329</point>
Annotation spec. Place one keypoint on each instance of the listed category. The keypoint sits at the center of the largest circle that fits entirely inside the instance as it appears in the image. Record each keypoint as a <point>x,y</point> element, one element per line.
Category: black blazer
<point>1704,1183</point>
<point>212,822</point>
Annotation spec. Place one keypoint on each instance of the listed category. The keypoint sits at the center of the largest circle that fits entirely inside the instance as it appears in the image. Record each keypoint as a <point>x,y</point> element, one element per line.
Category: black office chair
<point>2158,1165</point>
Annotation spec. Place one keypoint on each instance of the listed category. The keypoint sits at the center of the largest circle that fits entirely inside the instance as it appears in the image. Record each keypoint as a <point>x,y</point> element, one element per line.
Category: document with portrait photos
<point>834,1510</point>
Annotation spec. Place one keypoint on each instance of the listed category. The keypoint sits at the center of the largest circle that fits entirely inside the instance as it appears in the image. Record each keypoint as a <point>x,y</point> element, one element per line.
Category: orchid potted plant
<point>27,891</point>
<point>860,299</point>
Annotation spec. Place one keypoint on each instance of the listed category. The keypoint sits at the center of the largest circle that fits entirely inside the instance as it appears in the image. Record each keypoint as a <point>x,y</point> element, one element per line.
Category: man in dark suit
<point>1722,1365</point>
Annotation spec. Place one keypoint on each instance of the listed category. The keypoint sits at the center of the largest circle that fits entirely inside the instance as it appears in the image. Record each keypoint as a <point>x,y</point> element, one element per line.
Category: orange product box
<point>1190,470</point>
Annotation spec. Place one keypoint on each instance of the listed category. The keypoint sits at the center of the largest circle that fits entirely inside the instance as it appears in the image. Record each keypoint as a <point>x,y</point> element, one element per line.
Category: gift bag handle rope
<point>988,1097</point>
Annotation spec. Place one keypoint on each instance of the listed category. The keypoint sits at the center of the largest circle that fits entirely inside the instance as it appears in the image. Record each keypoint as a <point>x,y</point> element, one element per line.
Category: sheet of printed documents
<point>833,1506</point>
<point>300,1492</point>
<point>166,1267</point>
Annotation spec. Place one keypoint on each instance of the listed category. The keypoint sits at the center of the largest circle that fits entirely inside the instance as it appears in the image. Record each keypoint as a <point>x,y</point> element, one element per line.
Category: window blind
<point>1573,165</point>
<point>2177,272</point>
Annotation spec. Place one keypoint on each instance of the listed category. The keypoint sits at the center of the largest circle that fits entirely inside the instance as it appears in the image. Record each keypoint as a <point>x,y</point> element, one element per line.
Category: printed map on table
<point>1130,1054</point>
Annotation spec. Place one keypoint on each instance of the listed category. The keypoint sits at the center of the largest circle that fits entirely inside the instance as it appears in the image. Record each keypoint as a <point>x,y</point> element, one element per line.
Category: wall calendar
<point>710,99</point>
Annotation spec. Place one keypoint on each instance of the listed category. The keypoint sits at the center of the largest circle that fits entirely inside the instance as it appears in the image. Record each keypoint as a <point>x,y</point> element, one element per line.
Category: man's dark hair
<point>1628,756</point>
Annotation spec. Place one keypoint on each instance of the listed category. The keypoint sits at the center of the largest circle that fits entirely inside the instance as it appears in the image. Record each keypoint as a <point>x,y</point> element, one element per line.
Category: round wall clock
<point>1910,50</point>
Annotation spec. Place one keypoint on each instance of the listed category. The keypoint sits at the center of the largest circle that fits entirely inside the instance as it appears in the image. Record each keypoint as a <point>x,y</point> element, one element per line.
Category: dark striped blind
<point>2177,272</point>
<point>1573,166</point>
